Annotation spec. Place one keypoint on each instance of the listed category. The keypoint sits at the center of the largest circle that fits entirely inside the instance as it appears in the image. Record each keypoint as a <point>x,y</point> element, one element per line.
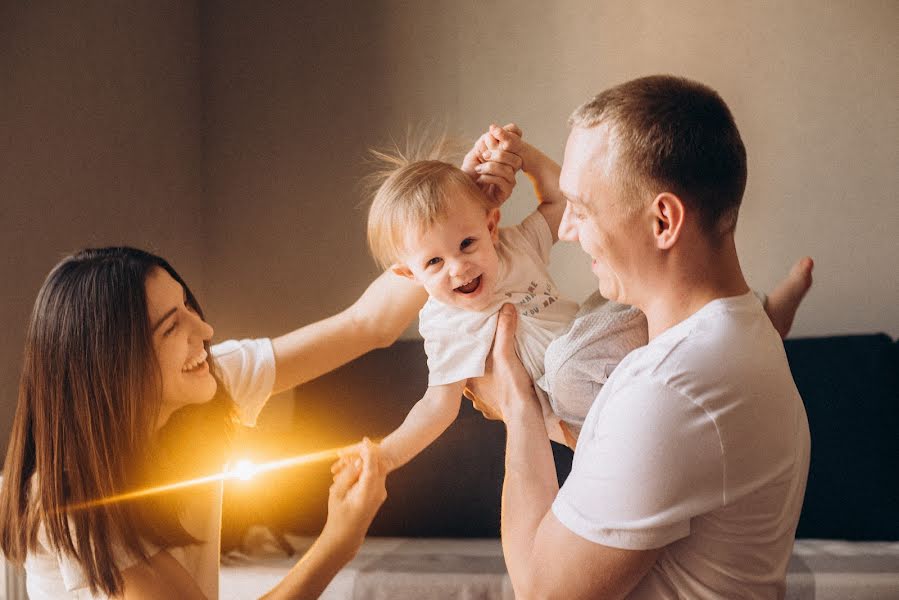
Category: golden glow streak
<point>243,469</point>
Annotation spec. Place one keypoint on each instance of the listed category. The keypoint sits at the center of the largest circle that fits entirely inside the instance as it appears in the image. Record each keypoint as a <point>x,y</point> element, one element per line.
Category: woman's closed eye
<point>171,328</point>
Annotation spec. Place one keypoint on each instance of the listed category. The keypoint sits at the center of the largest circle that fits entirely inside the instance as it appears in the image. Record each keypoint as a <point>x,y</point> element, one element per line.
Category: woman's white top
<point>247,369</point>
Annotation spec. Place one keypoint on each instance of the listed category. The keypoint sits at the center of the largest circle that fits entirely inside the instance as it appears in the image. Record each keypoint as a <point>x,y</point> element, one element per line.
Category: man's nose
<point>567,229</point>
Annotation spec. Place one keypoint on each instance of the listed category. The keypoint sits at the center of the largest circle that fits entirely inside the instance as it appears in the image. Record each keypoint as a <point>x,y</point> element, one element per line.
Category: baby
<point>431,222</point>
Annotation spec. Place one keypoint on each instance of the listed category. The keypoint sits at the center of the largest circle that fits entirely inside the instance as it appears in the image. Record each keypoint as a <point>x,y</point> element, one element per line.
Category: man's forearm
<point>529,488</point>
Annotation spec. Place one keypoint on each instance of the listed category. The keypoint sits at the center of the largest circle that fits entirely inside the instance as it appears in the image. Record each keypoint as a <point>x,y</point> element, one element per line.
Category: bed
<point>417,568</point>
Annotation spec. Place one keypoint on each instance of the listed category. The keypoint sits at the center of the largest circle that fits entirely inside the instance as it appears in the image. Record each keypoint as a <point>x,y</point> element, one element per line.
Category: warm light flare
<point>242,470</point>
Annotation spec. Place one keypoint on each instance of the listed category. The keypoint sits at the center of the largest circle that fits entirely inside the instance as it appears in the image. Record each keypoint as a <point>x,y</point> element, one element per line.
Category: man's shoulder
<point>724,346</point>
<point>721,328</point>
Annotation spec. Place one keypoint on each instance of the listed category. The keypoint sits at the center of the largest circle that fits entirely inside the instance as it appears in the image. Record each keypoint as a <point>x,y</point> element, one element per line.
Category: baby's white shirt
<point>457,341</point>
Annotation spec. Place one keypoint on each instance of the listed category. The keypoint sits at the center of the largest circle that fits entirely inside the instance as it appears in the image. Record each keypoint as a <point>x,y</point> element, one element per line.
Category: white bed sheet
<point>413,569</point>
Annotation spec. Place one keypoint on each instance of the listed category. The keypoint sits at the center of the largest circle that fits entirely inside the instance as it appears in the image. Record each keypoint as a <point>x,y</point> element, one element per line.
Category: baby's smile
<point>470,287</point>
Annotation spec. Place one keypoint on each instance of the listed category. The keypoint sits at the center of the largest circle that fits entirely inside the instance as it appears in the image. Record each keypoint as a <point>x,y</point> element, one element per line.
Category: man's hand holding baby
<point>505,389</point>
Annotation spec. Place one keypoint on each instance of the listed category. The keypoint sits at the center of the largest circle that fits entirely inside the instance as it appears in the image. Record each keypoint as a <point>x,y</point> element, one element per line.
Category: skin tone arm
<point>545,559</point>
<point>375,320</point>
<point>544,175</point>
<point>500,152</point>
<point>427,420</point>
<point>354,498</point>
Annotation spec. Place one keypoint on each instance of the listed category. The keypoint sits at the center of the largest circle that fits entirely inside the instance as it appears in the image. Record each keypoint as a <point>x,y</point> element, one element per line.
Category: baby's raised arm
<point>499,152</point>
<point>543,173</point>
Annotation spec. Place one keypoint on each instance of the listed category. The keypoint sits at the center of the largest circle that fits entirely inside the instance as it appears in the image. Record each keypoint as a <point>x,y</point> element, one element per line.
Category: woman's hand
<point>505,388</point>
<point>356,495</point>
<point>493,161</point>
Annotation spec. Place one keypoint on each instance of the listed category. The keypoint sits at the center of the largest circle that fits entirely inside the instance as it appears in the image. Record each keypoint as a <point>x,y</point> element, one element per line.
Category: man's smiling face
<point>600,215</point>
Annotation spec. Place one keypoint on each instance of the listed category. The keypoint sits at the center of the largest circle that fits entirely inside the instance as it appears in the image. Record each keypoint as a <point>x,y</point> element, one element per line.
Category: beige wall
<point>99,144</point>
<point>292,95</point>
<point>296,94</point>
<point>229,137</point>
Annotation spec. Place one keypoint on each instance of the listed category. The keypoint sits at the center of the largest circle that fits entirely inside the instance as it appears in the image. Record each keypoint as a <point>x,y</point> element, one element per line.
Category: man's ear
<point>493,223</point>
<point>668,212</point>
<point>402,270</point>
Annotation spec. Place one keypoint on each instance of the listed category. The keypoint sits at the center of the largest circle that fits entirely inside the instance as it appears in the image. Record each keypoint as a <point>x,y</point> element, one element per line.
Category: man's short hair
<point>674,135</point>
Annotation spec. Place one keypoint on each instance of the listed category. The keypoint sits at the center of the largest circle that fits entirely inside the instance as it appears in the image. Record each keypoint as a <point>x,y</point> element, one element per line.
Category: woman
<point>120,389</point>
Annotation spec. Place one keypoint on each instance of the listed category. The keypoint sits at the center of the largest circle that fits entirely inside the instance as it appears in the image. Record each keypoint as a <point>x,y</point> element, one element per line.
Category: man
<point>690,470</point>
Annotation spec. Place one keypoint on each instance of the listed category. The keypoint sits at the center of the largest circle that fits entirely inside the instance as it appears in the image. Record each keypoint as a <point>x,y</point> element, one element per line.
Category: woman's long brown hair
<point>89,396</point>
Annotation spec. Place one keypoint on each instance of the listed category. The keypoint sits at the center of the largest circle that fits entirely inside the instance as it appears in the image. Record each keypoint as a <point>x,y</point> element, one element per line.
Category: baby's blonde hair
<point>413,193</point>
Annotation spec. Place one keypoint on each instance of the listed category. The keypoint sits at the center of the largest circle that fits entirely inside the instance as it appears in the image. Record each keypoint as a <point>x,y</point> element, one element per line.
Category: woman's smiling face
<point>179,340</point>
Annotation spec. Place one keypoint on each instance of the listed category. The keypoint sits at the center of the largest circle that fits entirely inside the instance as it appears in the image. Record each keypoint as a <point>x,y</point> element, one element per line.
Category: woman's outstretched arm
<point>375,320</point>
<point>356,495</point>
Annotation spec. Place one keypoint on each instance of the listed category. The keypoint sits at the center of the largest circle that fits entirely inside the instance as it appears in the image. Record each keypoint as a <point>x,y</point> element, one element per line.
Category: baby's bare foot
<point>784,300</point>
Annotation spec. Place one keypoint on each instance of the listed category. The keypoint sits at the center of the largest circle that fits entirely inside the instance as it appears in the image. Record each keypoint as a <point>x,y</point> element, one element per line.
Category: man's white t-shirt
<point>247,369</point>
<point>457,341</point>
<point>698,443</point>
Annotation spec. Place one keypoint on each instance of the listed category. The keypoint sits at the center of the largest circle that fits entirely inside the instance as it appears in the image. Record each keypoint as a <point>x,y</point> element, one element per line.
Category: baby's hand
<point>493,161</point>
<point>350,457</point>
<point>354,498</point>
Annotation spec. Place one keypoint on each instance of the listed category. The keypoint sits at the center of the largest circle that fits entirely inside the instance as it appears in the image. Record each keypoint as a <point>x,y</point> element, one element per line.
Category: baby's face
<point>455,259</point>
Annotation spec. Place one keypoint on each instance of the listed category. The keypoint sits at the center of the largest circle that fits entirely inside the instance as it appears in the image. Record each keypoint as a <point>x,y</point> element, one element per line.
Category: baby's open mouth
<point>469,287</point>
